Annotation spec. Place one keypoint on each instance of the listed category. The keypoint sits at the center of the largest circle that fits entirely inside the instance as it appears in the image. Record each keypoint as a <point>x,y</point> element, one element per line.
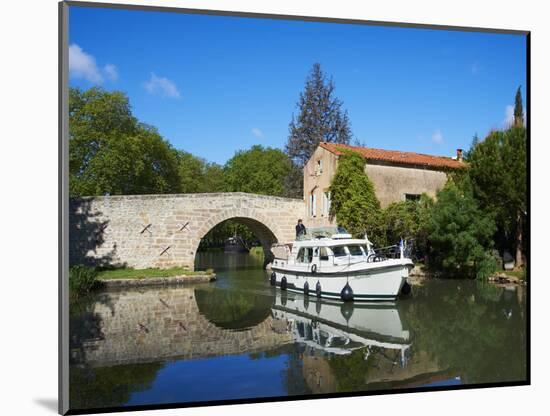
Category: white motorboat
<point>329,263</point>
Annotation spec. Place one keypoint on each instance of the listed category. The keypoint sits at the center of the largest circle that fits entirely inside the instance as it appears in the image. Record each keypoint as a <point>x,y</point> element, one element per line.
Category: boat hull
<point>382,282</point>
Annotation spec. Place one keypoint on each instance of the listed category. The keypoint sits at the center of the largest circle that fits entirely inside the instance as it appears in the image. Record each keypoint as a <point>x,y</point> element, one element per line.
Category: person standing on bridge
<point>300,229</point>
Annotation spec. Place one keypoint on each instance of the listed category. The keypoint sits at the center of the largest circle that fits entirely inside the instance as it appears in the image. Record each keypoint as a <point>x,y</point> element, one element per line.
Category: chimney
<point>459,155</point>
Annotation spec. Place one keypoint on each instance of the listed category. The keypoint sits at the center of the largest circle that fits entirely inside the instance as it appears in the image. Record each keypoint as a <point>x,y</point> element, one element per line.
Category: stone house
<point>396,176</point>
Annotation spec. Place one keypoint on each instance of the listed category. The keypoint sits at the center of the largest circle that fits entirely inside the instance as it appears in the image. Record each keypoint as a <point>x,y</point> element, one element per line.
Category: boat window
<point>323,253</point>
<point>305,255</point>
<point>339,251</point>
<point>355,250</point>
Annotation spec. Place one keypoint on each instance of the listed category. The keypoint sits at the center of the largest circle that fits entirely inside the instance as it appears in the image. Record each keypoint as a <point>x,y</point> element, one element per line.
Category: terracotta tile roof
<point>397,157</point>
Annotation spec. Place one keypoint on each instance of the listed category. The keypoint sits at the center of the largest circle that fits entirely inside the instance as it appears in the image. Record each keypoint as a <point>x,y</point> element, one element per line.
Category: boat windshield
<point>339,251</point>
<point>320,232</point>
<point>355,250</point>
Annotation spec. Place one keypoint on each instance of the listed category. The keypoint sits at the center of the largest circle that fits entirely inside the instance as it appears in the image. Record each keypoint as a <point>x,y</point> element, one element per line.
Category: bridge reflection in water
<point>167,323</point>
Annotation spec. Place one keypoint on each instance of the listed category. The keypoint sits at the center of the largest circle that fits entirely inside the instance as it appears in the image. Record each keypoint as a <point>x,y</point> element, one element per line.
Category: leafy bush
<point>407,220</point>
<point>82,280</point>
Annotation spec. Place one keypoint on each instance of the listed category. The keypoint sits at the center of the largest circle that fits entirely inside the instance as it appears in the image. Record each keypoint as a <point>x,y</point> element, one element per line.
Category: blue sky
<point>213,85</point>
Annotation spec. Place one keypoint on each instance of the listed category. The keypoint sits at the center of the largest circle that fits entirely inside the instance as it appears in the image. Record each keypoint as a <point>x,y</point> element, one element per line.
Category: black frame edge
<point>319,19</point>
<point>63,195</point>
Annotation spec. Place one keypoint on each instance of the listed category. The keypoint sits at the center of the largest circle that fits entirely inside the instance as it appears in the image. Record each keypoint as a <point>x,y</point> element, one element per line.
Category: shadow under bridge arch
<point>265,229</point>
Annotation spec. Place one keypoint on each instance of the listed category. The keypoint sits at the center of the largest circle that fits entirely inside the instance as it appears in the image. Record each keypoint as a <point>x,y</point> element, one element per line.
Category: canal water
<point>240,338</point>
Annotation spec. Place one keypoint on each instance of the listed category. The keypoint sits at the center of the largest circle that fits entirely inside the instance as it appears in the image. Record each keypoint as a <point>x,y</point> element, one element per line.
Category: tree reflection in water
<point>460,330</point>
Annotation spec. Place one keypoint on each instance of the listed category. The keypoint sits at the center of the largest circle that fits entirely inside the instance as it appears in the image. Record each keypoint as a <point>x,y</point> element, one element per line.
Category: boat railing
<point>389,252</point>
<point>394,251</point>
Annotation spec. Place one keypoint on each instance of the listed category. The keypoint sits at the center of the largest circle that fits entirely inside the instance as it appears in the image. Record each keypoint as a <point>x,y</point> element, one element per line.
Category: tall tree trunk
<point>519,241</point>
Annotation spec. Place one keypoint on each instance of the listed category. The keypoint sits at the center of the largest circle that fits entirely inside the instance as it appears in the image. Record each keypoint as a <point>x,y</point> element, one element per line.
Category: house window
<point>319,167</point>
<point>326,203</point>
<point>412,197</point>
<point>312,205</point>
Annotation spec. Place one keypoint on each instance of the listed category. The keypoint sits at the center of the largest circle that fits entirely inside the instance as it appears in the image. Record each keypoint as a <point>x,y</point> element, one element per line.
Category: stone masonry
<point>163,231</point>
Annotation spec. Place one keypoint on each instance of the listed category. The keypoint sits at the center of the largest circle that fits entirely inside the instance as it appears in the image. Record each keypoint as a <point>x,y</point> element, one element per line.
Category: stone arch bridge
<point>163,231</point>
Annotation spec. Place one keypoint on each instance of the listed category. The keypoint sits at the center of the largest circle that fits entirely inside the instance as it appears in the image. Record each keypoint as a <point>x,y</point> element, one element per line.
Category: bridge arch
<point>264,228</point>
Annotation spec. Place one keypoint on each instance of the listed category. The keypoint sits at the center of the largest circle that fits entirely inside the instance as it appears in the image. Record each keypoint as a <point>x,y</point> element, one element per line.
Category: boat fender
<point>306,288</point>
<point>314,269</point>
<point>347,293</point>
<point>283,283</point>
<point>406,288</point>
<point>273,279</point>
<point>318,289</point>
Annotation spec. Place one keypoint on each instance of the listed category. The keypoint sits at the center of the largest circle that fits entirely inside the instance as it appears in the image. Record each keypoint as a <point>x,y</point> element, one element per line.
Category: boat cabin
<point>323,248</point>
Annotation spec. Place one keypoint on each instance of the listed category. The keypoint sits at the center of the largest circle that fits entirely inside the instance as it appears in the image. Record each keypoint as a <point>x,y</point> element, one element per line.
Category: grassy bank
<point>84,279</point>
<point>128,273</point>
<point>518,275</point>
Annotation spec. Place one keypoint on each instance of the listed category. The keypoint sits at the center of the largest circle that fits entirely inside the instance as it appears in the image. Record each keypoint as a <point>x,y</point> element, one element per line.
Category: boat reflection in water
<point>354,346</point>
<point>338,328</point>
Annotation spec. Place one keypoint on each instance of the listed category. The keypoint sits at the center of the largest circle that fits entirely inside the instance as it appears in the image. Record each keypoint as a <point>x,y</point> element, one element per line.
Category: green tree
<point>320,118</point>
<point>294,182</point>
<point>111,152</point>
<point>258,170</point>
<point>460,234</point>
<point>199,176</point>
<point>191,172</point>
<point>498,172</point>
<point>353,200</point>
<point>518,109</point>
<point>475,141</point>
<point>214,178</point>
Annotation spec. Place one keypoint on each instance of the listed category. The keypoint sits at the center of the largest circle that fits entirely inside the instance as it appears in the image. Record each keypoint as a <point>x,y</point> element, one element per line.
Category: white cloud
<point>161,86</point>
<point>83,65</point>
<point>437,137</point>
<point>111,72</point>
<point>257,133</point>
<point>509,116</point>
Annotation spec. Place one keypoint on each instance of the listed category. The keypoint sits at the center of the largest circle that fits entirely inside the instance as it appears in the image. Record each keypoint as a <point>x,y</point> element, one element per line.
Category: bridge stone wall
<point>163,231</point>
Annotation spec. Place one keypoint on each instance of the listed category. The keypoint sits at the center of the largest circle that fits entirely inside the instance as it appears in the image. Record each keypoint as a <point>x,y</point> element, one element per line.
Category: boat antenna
<point>369,243</point>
